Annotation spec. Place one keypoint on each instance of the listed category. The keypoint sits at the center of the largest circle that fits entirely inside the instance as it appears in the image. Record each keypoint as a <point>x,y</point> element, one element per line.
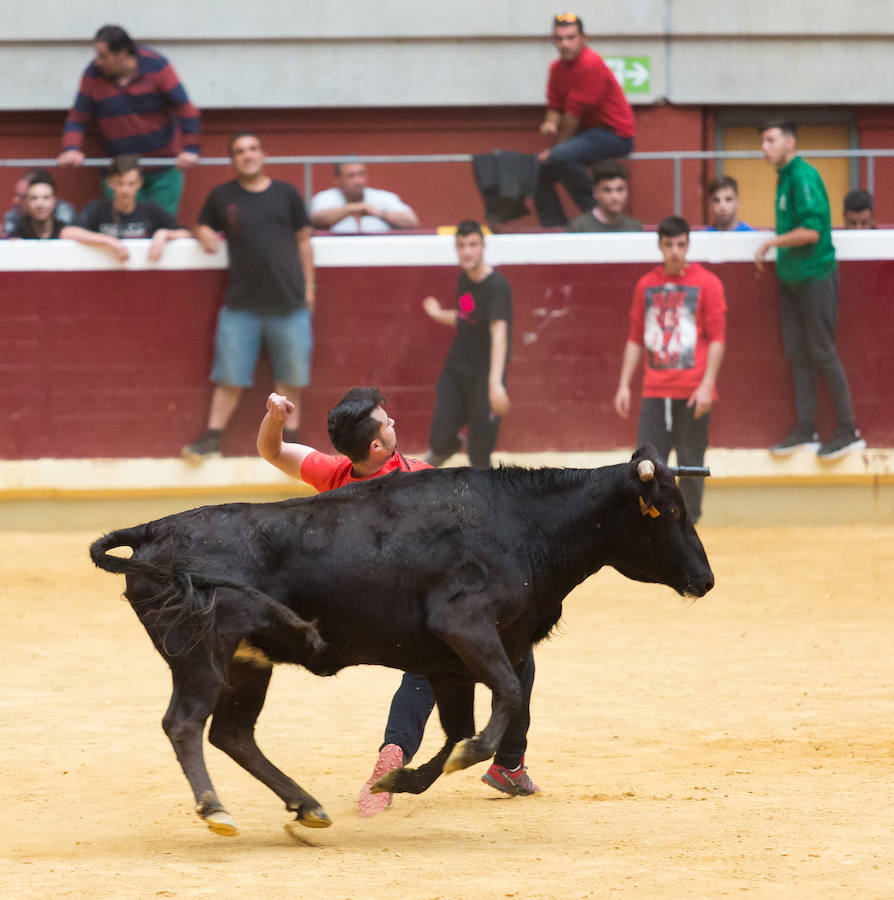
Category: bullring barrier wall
<point>103,364</point>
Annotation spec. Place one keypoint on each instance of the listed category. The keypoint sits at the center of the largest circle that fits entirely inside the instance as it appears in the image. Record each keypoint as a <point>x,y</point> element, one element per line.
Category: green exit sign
<point>634,73</point>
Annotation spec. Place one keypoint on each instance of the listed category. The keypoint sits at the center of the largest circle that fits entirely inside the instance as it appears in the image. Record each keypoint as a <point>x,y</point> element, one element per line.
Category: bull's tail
<point>188,592</point>
<point>120,565</point>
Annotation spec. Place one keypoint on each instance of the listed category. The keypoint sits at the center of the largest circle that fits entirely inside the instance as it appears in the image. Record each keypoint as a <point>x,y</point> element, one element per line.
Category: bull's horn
<point>646,470</point>
<point>690,471</point>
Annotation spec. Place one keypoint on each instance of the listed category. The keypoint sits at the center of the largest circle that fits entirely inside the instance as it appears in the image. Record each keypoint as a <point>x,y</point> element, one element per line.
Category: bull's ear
<point>648,510</point>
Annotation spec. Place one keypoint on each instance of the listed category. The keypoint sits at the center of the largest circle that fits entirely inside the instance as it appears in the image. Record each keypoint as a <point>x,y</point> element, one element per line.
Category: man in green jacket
<point>808,282</point>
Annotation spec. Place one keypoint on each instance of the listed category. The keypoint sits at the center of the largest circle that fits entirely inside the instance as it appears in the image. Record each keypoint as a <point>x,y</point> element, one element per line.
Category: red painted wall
<point>115,364</point>
<point>876,127</point>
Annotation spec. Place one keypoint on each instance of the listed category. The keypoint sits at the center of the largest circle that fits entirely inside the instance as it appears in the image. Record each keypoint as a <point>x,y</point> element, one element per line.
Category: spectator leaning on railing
<point>63,211</point>
<point>134,97</point>
<point>38,220</point>
<point>106,223</point>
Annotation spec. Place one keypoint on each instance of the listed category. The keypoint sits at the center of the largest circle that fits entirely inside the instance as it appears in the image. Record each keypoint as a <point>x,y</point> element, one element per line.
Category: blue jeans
<point>567,163</point>
<point>237,344</point>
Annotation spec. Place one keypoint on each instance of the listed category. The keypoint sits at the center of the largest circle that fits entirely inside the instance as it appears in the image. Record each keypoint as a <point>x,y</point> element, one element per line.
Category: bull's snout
<point>699,585</point>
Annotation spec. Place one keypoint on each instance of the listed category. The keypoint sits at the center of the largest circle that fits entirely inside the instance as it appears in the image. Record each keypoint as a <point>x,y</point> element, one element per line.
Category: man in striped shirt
<point>139,107</point>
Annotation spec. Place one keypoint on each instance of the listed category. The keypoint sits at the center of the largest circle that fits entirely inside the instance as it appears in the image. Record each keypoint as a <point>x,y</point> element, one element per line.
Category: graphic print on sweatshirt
<point>670,327</point>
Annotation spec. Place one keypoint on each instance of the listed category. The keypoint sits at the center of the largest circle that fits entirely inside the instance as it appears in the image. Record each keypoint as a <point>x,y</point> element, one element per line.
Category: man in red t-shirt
<point>587,115</point>
<point>678,323</point>
<point>364,434</point>
<point>359,429</point>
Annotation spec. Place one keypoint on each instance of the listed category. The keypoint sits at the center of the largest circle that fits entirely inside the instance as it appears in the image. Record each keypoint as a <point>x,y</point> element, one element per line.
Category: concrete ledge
<point>84,478</point>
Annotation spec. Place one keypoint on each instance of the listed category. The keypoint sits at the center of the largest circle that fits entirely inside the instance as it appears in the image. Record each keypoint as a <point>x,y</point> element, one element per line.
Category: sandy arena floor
<point>738,745</point>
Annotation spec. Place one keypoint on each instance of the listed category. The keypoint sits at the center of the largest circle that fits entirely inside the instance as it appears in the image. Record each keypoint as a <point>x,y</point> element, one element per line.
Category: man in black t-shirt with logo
<point>471,389</point>
<point>270,296</point>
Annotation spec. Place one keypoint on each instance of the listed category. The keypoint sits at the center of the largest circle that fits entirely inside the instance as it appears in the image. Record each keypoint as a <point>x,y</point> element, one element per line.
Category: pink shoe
<point>369,804</point>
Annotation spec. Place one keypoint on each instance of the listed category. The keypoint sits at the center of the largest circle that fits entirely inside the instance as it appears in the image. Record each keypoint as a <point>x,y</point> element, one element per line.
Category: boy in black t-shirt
<point>105,223</point>
<point>471,389</point>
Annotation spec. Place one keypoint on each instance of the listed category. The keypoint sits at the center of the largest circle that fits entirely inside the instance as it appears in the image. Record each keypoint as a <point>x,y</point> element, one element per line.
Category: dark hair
<point>857,201</point>
<point>116,38</point>
<point>786,126</point>
<point>467,227</point>
<point>40,176</point>
<point>121,165</point>
<point>673,226</point>
<point>351,425</point>
<point>350,162</point>
<point>568,18</point>
<point>724,181</point>
<point>236,135</point>
<point>606,170</point>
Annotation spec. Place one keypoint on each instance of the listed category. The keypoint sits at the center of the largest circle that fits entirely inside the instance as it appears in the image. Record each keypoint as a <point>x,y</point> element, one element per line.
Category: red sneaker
<point>369,804</point>
<point>514,782</point>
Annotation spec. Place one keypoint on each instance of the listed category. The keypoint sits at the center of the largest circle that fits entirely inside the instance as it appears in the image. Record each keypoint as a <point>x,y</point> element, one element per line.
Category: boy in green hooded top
<point>808,281</point>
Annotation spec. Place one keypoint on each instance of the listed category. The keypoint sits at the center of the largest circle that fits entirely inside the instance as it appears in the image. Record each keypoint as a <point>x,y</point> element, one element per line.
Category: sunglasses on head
<point>568,18</point>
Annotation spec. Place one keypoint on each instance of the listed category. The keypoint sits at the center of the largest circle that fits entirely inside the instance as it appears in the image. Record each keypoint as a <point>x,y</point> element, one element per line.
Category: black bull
<point>451,573</point>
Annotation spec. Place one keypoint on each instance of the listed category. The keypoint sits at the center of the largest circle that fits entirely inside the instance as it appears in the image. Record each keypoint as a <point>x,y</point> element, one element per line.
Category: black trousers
<point>809,319</point>
<point>670,424</point>
<point>413,702</point>
<point>463,400</point>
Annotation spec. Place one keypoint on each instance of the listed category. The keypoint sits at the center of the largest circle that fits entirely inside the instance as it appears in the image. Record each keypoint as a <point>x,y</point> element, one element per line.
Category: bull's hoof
<point>220,822</point>
<point>313,818</point>
<point>388,783</point>
<point>466,753</point>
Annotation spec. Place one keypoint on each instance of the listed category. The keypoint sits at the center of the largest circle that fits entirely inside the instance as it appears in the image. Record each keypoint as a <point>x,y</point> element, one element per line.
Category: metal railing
<point>676,157</point>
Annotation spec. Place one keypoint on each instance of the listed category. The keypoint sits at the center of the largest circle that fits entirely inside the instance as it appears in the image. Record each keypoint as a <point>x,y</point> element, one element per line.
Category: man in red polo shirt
<point>587,115</point>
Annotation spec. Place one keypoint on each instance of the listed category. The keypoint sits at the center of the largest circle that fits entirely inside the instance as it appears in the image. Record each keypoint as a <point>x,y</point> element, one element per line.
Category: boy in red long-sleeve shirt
<point>678,326</point>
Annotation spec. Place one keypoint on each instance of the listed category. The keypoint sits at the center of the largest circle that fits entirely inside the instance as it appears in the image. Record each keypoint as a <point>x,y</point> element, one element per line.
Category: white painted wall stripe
<point>436,250</point>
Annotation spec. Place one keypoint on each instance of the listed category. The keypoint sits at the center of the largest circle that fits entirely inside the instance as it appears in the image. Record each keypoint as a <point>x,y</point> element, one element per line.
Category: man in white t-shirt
<point>353,208</point>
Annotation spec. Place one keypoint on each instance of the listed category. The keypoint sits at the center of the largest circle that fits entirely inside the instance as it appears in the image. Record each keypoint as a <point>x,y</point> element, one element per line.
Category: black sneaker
<point>206,447</point>
<point>844,441</point>
<point>799,439</point>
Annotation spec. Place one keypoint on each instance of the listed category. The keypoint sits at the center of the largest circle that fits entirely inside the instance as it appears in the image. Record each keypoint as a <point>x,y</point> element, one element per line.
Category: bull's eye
<point>675,511</point>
